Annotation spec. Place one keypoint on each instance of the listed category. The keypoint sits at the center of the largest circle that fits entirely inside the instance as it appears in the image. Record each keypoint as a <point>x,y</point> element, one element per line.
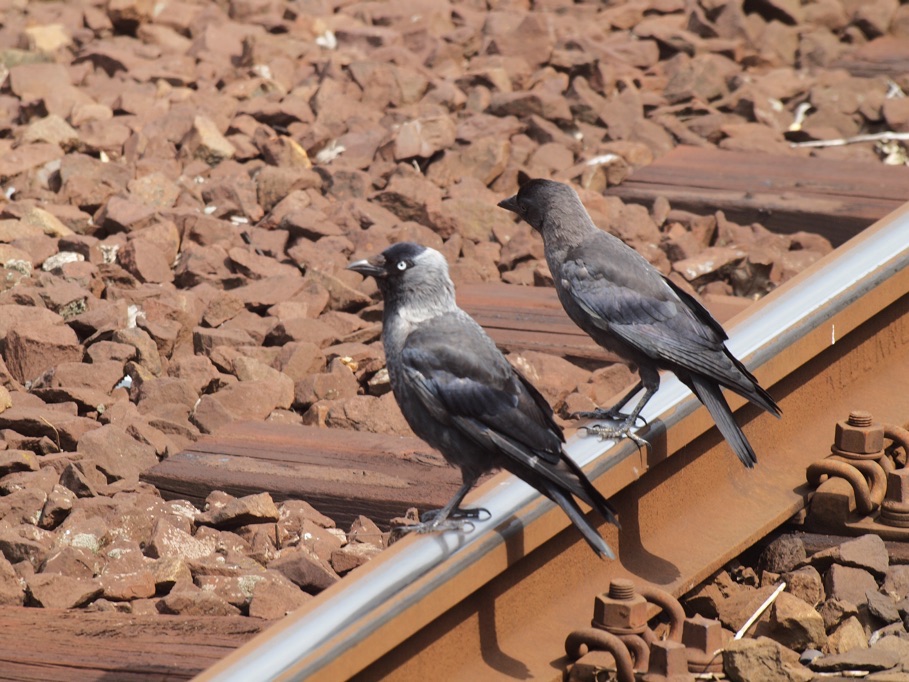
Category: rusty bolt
<point>895,507</point>
<point>704,637</point>
<point>898,485</point>
<point>621,610</point>
<point>668,663</point>
<point>859,434</point>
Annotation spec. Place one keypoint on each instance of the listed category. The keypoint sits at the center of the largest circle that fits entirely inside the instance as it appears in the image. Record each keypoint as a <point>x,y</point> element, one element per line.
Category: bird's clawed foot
<point>616,432</point>
<point>476,514</point>
<point>432,521</point>
<point>460,525</point>
<point>612,415</point>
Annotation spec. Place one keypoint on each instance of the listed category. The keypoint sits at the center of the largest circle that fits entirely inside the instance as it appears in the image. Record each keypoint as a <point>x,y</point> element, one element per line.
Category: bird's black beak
<point>510,204</point>
<point>369,267</point>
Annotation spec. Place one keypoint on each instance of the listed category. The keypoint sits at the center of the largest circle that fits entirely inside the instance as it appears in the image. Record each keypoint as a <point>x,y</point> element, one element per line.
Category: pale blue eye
<point>402,265</point>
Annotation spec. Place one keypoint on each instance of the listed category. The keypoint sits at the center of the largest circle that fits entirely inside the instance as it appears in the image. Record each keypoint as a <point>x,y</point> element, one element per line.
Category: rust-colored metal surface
<point>498,603</point>
<point>858,489</point>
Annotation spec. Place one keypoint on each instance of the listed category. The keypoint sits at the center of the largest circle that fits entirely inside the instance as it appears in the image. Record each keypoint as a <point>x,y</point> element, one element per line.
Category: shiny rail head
<point>416,569</point>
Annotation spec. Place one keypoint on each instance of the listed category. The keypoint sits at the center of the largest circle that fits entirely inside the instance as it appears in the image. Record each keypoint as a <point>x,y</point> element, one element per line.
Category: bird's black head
<point>392,262</point>
<point>406,270</point>
<point>538,199</point>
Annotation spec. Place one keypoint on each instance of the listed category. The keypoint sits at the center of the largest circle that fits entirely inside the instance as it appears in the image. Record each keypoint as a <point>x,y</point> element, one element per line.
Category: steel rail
<point>498,602</point>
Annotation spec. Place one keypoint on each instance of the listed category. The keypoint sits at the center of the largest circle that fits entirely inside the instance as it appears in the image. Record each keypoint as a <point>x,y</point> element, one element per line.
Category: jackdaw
<point>629,308</point>
<point>460,394</point>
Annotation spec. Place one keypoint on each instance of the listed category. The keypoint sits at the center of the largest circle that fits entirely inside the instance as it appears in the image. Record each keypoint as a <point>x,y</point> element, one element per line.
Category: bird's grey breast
<point>396,329</point>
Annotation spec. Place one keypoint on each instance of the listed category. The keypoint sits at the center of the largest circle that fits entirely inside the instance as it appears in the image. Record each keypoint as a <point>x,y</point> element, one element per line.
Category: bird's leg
<point>476,514</point>
<point>451,516</point>
<point>623,430</point>
<point>614,413</point>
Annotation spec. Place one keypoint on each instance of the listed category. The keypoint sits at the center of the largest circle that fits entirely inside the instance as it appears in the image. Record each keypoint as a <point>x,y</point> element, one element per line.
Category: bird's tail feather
<point>558,482</point>
<point>566,474</point>
<point>573,512</point>
<point>586,491</point>
<point>751,389</point>
<point>709,393</point>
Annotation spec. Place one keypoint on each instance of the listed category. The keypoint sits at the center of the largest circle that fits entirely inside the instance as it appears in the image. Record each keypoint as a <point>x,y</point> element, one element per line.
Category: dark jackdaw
<point>460,394</point>
<point>629,308</point>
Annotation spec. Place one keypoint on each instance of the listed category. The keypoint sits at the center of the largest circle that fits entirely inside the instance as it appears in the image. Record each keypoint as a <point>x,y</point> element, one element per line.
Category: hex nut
<point>862,440</point>
<point>626,614</point>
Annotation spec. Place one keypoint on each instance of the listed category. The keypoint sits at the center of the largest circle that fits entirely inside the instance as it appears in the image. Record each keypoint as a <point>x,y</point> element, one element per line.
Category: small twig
<point>56,432</point>
<point>757,614</point>
<point>842,141</point>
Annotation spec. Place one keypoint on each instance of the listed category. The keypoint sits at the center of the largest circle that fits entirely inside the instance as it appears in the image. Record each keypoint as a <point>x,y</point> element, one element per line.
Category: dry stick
<point>839,142</point>
<point>757,614</point>
<point>56,432</point>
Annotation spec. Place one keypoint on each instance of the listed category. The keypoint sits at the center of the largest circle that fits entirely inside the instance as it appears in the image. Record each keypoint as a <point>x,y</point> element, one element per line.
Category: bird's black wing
<point>635,303</point>
<point>655,321</point>
<point>698,309</point>
<point>462,379</point>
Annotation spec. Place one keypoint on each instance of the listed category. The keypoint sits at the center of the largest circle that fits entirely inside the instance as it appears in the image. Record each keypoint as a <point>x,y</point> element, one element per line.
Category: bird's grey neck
<point>414,308</point>
<point>565,230</point>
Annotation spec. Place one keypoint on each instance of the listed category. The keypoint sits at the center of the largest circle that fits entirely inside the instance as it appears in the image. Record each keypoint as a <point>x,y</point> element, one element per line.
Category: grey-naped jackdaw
<point>627,306</point>
<point>459,393</point>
